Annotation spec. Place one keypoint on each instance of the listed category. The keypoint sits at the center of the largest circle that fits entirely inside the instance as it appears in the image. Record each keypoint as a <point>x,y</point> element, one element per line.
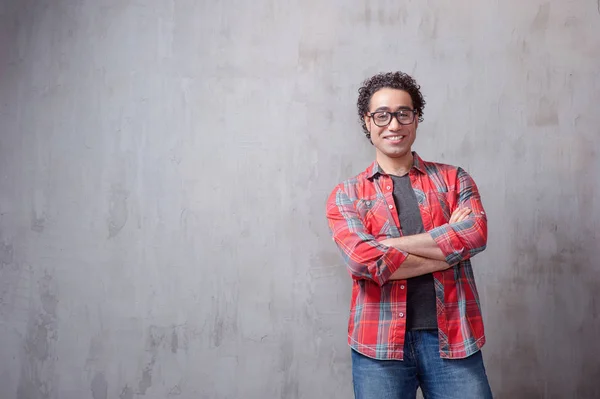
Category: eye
<point>381,116</point>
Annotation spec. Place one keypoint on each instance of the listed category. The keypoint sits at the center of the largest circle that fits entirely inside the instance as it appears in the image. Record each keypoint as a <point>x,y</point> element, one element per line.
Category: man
<point>407,230</point>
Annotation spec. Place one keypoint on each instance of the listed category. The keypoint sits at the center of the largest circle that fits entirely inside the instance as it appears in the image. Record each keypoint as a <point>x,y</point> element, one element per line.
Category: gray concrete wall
<point>164,167</point>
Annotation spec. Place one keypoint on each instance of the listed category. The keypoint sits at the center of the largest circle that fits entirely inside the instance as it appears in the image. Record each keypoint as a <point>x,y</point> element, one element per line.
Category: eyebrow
<point>386,108</point>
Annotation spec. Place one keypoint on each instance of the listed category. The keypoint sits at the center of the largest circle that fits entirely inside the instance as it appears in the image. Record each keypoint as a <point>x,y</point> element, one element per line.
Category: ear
<point>367,119</point>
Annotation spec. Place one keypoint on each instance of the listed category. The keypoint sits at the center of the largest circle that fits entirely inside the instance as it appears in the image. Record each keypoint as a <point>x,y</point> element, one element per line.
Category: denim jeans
<point>422,367</point>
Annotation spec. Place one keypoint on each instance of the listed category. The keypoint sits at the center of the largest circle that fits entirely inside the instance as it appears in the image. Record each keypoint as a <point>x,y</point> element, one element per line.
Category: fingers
<point>459,215</point>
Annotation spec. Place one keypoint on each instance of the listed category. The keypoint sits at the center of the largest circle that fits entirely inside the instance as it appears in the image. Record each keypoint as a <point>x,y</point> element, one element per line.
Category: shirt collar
<point>375,169</point>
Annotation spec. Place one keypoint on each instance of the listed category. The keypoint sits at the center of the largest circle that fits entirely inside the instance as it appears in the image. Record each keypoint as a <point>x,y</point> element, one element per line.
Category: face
<point>394,140</point>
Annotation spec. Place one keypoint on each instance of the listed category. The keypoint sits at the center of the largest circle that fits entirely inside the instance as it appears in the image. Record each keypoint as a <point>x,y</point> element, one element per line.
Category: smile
<point>395,139</point>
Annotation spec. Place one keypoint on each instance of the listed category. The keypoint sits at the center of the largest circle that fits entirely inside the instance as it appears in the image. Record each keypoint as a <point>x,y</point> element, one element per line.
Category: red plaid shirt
<point>361,212</point>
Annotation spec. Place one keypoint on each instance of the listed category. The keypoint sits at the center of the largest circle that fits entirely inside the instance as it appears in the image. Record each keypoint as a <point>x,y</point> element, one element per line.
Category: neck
<point>395,166</point>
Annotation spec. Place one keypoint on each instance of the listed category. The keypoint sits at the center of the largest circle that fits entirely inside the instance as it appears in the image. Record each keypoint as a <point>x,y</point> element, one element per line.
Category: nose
<point>394,124</point>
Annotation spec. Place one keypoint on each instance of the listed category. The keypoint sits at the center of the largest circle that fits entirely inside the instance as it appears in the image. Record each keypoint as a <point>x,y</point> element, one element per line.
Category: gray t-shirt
<point>421,313</point>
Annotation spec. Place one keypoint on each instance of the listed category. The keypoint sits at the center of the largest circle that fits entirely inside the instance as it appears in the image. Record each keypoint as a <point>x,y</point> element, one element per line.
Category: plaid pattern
<point>361,211</point>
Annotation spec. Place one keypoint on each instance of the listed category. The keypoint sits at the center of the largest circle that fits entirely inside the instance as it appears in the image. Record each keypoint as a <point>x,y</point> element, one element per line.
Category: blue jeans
<point>422,367</point>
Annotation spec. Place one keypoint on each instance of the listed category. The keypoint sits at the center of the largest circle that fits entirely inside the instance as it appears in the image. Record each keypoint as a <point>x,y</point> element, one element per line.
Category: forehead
<point>390,98</point>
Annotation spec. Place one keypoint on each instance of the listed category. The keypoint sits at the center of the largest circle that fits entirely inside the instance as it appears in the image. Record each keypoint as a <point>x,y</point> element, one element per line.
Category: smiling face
<point>394,140</point>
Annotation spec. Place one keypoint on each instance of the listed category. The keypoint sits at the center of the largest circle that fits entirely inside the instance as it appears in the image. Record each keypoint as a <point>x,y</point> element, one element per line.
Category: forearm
<point>414,266</point>
<point>460,240</point>
<point>422,245</point>
<point>364,256</point>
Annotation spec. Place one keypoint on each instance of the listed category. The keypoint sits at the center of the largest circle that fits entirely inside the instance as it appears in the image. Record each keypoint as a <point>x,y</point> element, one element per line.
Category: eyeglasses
<point>403,116</point>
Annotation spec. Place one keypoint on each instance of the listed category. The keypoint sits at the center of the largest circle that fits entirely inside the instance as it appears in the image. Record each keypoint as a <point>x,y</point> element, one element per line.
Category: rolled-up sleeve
<point>364,256</point>
<point>460,241</point>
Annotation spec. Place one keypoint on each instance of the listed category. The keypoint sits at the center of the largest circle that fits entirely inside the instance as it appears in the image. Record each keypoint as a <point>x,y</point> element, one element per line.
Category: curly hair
<point>393,80</point>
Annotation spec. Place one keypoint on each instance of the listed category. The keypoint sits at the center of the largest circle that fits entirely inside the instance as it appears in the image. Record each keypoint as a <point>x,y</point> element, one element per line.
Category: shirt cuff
<point>447,240</point>
<point>393,260</point>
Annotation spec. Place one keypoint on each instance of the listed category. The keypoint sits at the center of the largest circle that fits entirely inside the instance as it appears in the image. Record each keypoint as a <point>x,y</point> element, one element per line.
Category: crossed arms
<point>400,258</point>
<point>424,254</point>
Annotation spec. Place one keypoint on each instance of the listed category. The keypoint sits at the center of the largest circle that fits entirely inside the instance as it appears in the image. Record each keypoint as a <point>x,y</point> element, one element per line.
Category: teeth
<point>394,138</point>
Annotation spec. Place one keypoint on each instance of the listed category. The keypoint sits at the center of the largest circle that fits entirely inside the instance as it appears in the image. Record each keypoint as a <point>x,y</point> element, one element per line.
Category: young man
<point>407,229</point>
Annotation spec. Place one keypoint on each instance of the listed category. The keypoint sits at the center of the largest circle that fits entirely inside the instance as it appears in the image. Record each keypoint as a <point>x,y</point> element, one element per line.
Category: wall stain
<point>175,391</point>
<point>290,388</point>
<point>223,323</point>
<point>37,223</point>
<point>95,351</point>
<point>546,114</point>
<point>156,337</point>
<point>99,387</point>
<point>174,341</point>
<point>37,371</point>
<point>146,381</point>
<point>37,341</point>
<point>217,333</point>
<point>126,393</point>
<point>117,211</point>
<point>7,254</point>
<point>156,341</point>
<point>30,387</point>
<point>391,15</point>
<point>540,22</point>
<point>588,387</point>
<point>367,14</point>
<point>48,298</point>
<point>310,56</point>
<point>524,48</point>
<point>428,26</point>
<point>588,365</point>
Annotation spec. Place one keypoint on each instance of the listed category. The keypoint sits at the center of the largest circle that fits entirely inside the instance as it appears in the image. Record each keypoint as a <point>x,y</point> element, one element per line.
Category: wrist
<point>441,265</point>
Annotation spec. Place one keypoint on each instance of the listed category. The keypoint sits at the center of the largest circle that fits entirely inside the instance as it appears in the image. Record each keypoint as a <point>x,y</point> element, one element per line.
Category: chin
<point>399,153</point>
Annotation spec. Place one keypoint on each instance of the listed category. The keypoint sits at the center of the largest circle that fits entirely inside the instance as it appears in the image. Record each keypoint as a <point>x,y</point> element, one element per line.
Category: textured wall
<point>164,167</point>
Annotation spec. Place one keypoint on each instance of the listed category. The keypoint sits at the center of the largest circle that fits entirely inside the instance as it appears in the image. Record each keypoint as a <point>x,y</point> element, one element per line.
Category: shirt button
<point>389,187</point>
<point>391,206</point>
<point>401,314</point>
<point>402,287</point>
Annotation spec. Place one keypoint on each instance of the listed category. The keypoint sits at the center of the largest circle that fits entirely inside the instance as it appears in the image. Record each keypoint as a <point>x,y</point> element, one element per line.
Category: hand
<point>459,215</point>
